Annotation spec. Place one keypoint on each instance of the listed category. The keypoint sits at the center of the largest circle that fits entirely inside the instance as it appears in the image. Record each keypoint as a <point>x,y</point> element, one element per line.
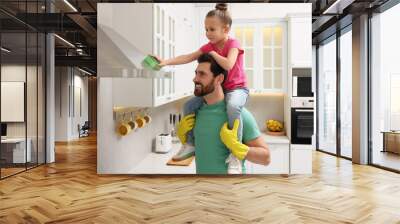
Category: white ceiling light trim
<point>70,5</point>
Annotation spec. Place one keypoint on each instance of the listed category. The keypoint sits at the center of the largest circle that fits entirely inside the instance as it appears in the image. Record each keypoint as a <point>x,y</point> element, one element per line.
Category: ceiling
<point>76,22</point>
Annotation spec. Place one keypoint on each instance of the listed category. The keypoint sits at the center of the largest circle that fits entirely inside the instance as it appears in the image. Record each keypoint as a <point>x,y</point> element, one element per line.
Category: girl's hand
<point>161,62</point>
<point>212,53</point>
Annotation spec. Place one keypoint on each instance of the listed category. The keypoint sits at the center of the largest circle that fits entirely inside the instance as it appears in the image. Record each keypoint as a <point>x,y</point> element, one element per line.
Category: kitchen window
<point>385,90</point>
<point>327,96</point>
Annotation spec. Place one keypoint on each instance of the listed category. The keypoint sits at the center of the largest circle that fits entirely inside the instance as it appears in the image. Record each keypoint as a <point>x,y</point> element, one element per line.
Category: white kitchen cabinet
<point>186,40</point>
<point>147,29</point>
<point>265,54</point>
<point>279,161</point>
<point>301,159</point>
<point>279,164</point>
<point>300,41</point>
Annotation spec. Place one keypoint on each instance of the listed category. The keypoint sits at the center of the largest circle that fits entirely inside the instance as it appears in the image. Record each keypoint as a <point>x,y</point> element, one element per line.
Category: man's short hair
<point>215,68</point>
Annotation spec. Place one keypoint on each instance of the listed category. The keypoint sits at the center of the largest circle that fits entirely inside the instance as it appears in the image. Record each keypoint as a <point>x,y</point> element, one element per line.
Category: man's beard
<point>204,90</point>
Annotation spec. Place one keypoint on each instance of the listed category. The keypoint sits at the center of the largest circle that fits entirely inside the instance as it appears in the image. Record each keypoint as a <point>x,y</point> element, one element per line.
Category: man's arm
<point>258,151</point>
<point>254,150</point>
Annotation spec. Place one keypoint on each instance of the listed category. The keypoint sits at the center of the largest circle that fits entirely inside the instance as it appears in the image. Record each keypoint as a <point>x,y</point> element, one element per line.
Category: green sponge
<point>151,63</point>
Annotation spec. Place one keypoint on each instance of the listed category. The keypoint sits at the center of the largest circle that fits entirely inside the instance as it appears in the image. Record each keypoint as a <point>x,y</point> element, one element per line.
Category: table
<point>391,141</point>
<point>15,148</point>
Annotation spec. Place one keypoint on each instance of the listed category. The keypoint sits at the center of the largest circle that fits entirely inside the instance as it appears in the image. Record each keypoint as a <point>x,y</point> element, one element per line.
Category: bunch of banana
<point>274,125</point>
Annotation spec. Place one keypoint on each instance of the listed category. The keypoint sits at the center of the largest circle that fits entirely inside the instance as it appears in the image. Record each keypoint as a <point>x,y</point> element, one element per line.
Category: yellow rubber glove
<point>230,139</point>
<point>186,124</point>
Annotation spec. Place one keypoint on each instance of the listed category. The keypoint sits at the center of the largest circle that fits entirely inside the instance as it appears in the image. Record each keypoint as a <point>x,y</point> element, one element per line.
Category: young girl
<point>229,55</point>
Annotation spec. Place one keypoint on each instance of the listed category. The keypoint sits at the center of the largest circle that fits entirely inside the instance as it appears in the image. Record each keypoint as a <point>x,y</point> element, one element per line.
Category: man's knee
<point>192,105</point>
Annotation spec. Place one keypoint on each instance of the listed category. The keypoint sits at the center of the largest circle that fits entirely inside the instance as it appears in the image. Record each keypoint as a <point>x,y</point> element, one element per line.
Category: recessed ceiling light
<point>64,40</point>
<point>84,71</point>
<point>70,5</point>
<point>5,49</point>
<point>338,6</point>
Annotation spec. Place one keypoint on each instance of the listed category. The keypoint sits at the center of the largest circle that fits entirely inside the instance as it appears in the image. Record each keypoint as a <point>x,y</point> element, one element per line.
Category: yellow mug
<point>141,122</point>
<point>147,118</point>
<point>124,129</point>
<point>133,125</point>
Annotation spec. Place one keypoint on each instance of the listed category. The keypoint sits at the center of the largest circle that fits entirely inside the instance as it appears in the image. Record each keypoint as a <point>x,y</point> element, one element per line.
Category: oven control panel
<point>302,102</point>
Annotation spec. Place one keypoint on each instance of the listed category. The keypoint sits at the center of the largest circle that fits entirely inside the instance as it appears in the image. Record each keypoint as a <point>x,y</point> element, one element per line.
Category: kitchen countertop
<point>271,139</point>
<point>156,163</point>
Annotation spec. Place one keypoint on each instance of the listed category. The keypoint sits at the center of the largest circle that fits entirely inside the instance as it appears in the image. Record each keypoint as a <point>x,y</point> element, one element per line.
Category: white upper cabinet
<point>265,54</point>
<point>300,41</point>
<point>127,33</point>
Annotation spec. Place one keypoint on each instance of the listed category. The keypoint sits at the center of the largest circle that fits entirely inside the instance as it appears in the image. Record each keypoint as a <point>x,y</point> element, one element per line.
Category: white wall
<point>80,83</point>
<point>66,119</point>
<point>17,73</point>
<point>265,107</point>
<point>267,11</point>
<point>61,104</point>
<point>119,155</point>
<point>33,127</point>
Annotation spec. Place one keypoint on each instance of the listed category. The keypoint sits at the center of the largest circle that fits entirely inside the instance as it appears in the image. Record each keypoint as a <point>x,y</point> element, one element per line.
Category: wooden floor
<point>5,172</point>
<point>70,191</point>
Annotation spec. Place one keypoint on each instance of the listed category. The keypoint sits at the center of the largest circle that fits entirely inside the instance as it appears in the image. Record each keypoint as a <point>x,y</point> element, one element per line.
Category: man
<point>213,140</point>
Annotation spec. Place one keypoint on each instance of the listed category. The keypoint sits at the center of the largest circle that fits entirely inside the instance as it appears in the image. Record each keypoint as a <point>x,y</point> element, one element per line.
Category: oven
<point>302,125</point>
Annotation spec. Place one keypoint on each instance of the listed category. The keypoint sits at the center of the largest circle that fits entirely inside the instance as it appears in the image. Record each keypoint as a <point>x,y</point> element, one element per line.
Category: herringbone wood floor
<point>70,191</point>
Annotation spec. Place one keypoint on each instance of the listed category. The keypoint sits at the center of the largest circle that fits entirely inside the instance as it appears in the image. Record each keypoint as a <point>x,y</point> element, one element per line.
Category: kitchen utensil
<point>171,126</point>
<point>185,162</point>
<point>141,122</point>
<point>147,118</point>
<point>132,123</point>
<point>124,128</point>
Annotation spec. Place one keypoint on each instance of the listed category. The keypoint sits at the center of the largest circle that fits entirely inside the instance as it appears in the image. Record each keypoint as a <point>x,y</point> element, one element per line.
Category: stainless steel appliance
<point>302,86</point>
<point>3,130</point>
<point>302,120</point>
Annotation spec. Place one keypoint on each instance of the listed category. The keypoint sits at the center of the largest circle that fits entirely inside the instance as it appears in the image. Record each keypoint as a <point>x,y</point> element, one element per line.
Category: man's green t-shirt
<point>211,152</point>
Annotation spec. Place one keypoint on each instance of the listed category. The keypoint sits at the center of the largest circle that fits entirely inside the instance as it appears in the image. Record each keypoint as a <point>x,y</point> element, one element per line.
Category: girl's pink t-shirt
<point>236,77</point>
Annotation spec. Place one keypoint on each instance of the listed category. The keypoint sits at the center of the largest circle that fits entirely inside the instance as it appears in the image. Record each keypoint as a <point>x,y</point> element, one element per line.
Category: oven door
<point>302,125</point>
